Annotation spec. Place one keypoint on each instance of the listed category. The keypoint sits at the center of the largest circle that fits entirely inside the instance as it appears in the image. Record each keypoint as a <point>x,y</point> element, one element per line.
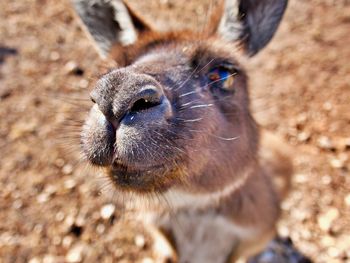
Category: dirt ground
<point>51,207</point>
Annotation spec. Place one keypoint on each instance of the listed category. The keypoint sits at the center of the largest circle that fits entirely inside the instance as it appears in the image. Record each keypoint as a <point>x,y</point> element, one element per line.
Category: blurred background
<point>53,209</point>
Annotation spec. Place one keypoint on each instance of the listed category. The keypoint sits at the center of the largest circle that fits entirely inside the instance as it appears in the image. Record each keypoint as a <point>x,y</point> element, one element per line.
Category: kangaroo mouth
<point>139,179</point>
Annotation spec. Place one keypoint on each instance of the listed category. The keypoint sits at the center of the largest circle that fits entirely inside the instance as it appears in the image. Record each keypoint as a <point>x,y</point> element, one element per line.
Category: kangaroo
<point>171,127</point>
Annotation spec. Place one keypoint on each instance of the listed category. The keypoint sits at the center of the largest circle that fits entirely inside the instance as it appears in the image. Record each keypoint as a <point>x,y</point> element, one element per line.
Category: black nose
<point>130,97</point>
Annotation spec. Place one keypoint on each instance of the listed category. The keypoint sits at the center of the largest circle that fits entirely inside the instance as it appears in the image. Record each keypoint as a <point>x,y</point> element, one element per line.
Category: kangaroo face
<point>176,113</point>
<point>172,115</point>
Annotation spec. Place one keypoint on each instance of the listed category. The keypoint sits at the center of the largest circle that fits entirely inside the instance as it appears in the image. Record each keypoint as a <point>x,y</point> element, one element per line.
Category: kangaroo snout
<point>129,107</point>
<point>131,99</point>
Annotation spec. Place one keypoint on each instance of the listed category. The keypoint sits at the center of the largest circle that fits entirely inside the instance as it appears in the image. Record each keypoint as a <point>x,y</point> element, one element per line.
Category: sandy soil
<point>52,209</point>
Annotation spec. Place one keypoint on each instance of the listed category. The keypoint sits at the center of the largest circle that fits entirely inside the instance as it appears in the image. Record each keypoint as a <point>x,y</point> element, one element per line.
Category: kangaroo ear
<point>109,22</point>
<point>253,22</point>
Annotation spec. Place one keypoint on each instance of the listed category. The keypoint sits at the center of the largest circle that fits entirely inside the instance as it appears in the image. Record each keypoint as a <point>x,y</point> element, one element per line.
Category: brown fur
<point>166,133</point>
<point>255,204</point>
<point>125,55</point>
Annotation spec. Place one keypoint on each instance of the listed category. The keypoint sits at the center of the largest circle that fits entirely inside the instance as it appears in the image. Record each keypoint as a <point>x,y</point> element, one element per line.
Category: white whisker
<point>192,120</point>
<point>217,136</point>
<point>226,139</point>
<point>201,106</point>
<point>186,104</point>
<point>187,93</point>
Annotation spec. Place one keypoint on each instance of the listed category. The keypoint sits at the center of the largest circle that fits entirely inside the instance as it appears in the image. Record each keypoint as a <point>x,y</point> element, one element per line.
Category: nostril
<point>143,104</point>
<point>146,99</point>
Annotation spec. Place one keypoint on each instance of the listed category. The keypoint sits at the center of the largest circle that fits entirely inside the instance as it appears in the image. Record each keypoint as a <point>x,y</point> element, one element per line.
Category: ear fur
<point>253,22</point>
<point>108,22</point>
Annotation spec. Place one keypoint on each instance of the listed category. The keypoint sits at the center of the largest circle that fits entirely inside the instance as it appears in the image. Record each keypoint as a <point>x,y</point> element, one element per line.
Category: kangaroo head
<point>175,112</point>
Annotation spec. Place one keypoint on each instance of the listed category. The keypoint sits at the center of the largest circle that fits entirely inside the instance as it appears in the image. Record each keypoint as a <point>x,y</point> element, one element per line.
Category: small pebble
<point>67,169</point>
<point>326,220</point>
<point>54,56</point>
<point>336,163</point>
<point>140,241</point>
<point>100,229</point>
<point>301,119</point>
<point>56,240</point>
<point>327,241</point>
<point>34,260</point>
<point>42,198</point>
<point>326,199</point>
<point>333,252</point>
<point>118,253</point>
<point>59,162</point>
<point>69,221</point>
<point>70,184</point>
<point>75,254</point>
<point>83,83</point>
<point>49,259</point>
<point>326,179</point>
<point>16,194</point>
<point>107,211</point>
<point>325,143</point>
<point>67,241</point>
<point>283,231</point>
<point>38,228</point>
<point>347,200</point>
<point>301,178</point>
<point>50,189</point>
<point>147,260</point>
<point>303,136</point>
<point>71,67</point>
<point>17,204</point>
<point>59,216</point>
<point>19,129</point>
<point>80,220</point>
<point>327,106</point>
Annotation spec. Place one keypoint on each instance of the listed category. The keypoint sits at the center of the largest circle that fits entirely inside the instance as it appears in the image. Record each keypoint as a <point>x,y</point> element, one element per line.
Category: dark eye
<point>222,77</point>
